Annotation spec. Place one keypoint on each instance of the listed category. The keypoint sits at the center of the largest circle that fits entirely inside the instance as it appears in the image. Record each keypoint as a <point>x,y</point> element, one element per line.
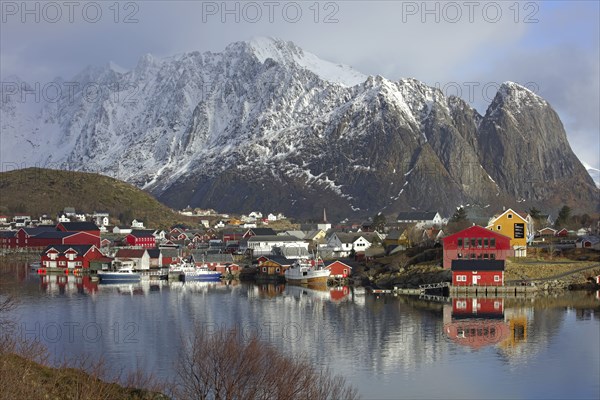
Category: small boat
<point>35,265</point>
<point>307,272</point>
<point>122,275</point>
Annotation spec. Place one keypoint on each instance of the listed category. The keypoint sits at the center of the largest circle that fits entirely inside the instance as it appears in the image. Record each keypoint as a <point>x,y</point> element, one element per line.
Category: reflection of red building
<point>478,308</point>
<point>338,293</point>
<point>475,322</point>
<point>476,243</point>
<point>477,272</point>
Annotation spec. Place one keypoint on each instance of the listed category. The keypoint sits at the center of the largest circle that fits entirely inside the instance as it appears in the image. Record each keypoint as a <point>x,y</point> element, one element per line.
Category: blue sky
<point>551,45</point>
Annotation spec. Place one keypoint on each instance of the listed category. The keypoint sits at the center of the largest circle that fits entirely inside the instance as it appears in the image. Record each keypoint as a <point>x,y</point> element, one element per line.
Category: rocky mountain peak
<point>265,124</point>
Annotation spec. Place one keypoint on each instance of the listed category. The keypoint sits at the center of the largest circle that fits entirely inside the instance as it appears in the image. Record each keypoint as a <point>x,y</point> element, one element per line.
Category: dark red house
<point>339,269</point>
<point>141,238</point>
<point>88,227</point>
<point>45,239</point>
<point>477,272</point>
<point>8,239</point>
<point>69,256</point>
<point>476,243</point>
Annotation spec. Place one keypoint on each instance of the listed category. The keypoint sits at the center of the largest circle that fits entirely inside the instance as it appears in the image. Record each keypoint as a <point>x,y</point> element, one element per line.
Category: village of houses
<point>87,243</point>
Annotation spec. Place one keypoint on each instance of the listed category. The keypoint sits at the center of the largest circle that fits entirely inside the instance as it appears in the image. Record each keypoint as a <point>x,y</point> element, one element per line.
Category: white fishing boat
<point>122,275</point>
<point>189,272</point>
<point>307,272</point>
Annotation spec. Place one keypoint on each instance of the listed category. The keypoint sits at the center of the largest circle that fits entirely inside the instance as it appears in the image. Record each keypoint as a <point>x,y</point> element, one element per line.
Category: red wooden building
<point>88,227</point>
<point>141,238</point>
<point>477,272</point>
<point>70,256</point>
<point>476,243</point>
<point>339,269</point>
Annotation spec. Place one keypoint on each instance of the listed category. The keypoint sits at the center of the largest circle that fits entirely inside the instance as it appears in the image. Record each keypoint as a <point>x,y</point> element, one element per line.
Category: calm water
<point>387,347</point>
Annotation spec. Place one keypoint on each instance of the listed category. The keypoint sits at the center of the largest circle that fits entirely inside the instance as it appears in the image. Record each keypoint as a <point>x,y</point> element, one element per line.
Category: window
<point>479,242</point>
<point>461,304</point>
<point>460,242</point>
<point>473,256</point>
<point>277,269</point>
<point>509,216</point>
<point>61,263</point>
<point>486,243</point>
<point>486,256</point>
<point>459,256</point>
<point>264,269</point>
<point>496,278</point>
<point>473,242</point>
<point>492,256</point>
<point>493,242</point>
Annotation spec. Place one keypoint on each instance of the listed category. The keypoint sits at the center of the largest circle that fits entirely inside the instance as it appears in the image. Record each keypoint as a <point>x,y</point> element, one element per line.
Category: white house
<point>272,217</point>
<point>135,224</point>
<point>63,218</point>
<point>272,244</point>
<point>139,257</point>
<point>220,224</point>
<point>205,223</point>
<point>342,244</point>
<point>426,218</point>
<point>159,234</point>
<point>101,218</point>
<point>256,215</point>
<point>121,230</point>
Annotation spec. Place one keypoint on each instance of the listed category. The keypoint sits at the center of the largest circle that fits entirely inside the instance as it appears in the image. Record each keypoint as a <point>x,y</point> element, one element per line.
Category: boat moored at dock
<point>122,275</point>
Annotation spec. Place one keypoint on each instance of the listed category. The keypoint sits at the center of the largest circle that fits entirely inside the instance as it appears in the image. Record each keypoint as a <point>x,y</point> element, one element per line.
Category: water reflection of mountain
<point>344,329</point>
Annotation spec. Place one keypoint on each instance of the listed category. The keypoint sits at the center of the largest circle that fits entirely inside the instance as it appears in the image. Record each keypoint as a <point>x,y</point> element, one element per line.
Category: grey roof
<point>79,248</point>
<point>298,234</point>
<point>293,251</point>
<point>416,216</point>
<point>154,253</point>
<point>591,239</point>
<point>39,230</point>
<point>142,233</point>
<point>200,255</point>
<point>281,260</point>
<point>394,235</point>
<point>273,238</point>
<point>477,265</point>
<point>54,235</point>
<point>263,231</point>
<point>80,226</point>
<point>172,253</point>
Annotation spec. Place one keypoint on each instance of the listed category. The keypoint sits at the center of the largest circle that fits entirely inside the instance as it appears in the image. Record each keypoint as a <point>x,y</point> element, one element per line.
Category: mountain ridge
<point>236,131</point>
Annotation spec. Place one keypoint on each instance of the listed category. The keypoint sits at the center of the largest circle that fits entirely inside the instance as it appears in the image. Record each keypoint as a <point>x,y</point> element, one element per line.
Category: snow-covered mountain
<point>266,125</point>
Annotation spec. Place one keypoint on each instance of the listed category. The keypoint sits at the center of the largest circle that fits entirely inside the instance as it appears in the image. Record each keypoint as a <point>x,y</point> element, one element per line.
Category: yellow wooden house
<point>513,225</point>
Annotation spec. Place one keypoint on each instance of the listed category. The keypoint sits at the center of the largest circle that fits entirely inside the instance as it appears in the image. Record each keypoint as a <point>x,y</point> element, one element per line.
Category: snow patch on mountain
<point>286,52</point>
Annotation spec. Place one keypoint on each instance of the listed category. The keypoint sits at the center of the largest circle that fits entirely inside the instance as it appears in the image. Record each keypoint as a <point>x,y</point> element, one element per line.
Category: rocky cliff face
<point>265,125</point>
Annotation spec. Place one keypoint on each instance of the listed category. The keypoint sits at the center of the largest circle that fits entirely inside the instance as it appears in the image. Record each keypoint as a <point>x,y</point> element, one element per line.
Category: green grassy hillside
<point>37,191</point>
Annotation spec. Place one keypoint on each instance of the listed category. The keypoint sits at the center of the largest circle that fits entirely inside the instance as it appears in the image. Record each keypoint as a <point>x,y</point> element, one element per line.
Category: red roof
<point>474,231</point>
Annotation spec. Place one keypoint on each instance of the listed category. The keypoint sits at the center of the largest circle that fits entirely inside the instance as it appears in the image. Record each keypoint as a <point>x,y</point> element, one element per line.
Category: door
<point>475,277</point>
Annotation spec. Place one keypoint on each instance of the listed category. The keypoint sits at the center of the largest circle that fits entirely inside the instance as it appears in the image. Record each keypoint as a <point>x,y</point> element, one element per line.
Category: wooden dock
<point>468,291</point>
